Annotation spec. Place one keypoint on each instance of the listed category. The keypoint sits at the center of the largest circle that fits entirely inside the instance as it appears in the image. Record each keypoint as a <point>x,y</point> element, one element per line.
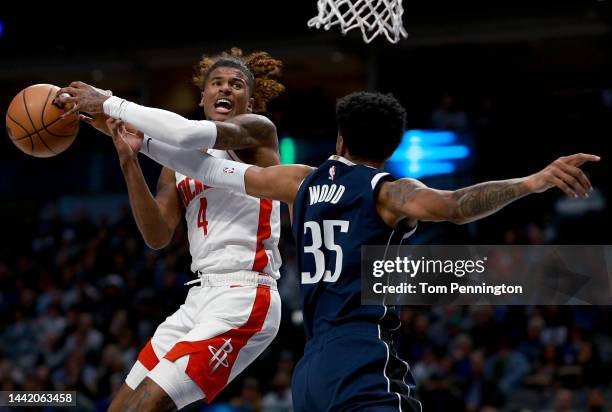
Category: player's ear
<point>201,104</point>
<point>250,105</point>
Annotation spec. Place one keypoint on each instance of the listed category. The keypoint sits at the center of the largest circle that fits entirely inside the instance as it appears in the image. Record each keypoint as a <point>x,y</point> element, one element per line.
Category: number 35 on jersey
<point>323,245</point>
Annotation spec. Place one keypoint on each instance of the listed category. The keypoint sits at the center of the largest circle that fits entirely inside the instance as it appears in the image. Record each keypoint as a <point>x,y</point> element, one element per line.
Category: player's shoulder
<point>403,185</point>
<point>391,195</point>
<point>394,194</point>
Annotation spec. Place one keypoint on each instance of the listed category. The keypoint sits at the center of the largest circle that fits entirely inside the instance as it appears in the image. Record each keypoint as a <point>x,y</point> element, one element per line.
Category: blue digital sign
<point>428,153</point>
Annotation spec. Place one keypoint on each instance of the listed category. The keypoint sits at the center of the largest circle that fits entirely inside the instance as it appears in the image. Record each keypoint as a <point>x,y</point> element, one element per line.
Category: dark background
<point>533,81</point>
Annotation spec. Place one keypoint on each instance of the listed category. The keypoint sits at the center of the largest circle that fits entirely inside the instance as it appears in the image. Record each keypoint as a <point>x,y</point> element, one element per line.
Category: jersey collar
<point>346,161</point>
<point>341,159</point>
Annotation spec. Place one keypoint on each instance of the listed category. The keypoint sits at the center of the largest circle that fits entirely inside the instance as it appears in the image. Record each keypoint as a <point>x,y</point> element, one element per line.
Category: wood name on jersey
<point>189,188</point>
<point>326,193</point>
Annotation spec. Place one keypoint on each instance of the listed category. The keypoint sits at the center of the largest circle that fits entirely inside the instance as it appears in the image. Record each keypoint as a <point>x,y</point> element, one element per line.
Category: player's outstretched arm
<point>411,198</point>
<point>275,182</point>
<point>241,132</point>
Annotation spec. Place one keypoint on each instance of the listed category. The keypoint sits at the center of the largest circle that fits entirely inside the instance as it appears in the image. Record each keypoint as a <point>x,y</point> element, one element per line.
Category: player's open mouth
<point>223,106</point>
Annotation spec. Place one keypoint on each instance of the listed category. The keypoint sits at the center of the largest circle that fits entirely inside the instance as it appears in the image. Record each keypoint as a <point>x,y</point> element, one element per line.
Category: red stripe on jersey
<point>148,357</point>
<point>181,187</point>
<point>211,360</point>
<point>263,232</point>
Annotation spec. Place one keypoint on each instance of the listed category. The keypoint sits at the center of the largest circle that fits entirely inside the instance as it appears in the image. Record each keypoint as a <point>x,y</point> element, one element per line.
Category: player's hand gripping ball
<point>36,126</point>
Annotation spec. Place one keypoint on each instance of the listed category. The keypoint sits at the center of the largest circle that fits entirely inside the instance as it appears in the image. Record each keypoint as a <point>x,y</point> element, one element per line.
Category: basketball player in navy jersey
<point>349,363</point>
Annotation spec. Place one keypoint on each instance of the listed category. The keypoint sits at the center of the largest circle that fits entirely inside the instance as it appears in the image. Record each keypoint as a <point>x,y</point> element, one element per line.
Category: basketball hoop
<point>373,17</point>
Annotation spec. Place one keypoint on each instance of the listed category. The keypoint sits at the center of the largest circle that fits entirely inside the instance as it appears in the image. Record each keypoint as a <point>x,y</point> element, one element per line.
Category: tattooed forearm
<point>483,199</point>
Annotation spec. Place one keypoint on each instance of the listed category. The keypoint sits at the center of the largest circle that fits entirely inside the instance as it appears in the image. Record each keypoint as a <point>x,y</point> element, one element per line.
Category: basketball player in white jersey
<point>233,312</point>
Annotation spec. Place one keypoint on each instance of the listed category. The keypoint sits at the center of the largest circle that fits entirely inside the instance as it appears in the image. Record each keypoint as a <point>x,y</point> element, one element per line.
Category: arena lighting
<point>428,153</point>
<point>287,150</point>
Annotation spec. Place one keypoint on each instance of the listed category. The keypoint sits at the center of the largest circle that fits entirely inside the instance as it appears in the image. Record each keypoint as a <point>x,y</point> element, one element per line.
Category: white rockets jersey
<point>229,231</point>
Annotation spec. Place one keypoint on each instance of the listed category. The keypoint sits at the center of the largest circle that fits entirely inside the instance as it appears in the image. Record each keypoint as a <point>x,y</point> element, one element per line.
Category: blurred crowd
<point>511,358</point>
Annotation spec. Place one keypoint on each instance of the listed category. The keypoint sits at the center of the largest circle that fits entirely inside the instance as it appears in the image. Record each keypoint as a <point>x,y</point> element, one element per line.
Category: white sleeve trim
<point>210,170</point>
<point>377,178</point>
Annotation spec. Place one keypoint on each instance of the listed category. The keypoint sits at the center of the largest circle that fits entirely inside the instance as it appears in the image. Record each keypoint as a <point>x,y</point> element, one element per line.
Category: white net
<point>373,17</point>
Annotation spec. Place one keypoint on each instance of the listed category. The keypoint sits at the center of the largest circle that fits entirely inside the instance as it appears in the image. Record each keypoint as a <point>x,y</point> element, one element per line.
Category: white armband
<point>213,171</point>
<point>162,125</point>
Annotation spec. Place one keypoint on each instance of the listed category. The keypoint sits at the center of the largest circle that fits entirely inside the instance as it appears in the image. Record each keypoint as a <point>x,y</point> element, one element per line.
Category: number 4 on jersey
<point>202,222</point>
<point>319,257</point>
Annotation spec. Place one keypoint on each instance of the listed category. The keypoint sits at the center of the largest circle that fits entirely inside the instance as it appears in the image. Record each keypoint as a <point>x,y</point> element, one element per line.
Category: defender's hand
<point>85,98</point>
<point>565,174</point>
<point>97,121</point>
<point>127,140</point>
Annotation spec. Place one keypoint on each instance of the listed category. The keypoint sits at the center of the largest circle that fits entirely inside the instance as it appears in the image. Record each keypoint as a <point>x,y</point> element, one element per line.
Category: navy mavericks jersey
<point>334,214</point>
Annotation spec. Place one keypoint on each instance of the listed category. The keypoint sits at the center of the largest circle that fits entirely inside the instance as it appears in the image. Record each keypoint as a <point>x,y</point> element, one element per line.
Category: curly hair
<point>371,124</point>
<point>261,70</point>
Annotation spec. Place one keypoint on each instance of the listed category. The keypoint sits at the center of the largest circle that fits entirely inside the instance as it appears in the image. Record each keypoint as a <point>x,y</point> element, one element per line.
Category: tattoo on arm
<point>483,199</point>
<point>234,139</point>
<point>135,400</point>
<point>413,199</point>
<point>243,132</point>
<point>147,396</point>
<point>403,191</point>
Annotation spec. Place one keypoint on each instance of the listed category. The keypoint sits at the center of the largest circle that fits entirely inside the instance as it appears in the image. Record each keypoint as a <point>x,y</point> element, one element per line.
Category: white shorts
<point>223,326</point>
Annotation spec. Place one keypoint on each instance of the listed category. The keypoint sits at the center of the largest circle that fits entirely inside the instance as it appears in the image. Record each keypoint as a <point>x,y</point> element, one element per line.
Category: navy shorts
<point>352,368</point>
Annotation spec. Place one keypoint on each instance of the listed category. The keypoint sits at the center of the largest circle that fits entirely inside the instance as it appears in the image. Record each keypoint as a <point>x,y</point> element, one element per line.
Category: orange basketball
<point>33,122</point>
